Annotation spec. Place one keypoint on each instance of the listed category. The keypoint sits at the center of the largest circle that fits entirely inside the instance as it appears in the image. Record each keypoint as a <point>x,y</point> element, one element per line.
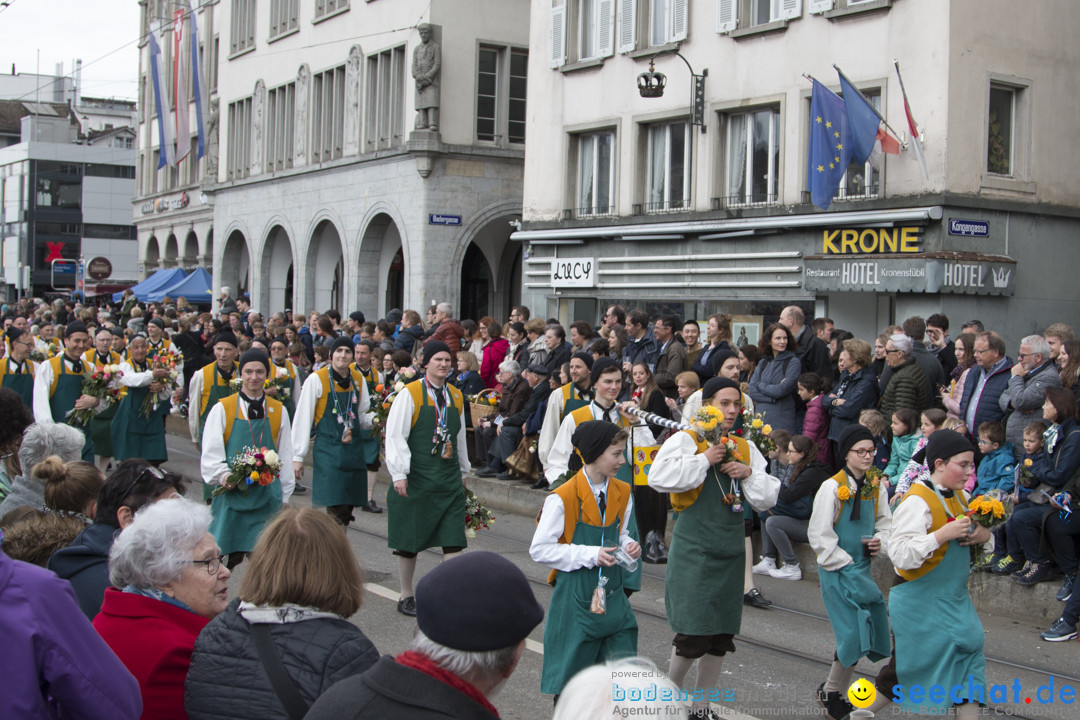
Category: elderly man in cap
<point>467,645</point>
<point>334,406</point>
<point>17,369</point>
<point>248,419</point>
<point>582,528</point>
<point>426,458</point>
<point>58,385</point>
<point>511,428</point>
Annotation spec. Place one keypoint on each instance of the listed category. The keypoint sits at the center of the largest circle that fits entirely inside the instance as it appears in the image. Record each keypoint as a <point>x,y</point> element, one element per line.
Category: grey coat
<point>1025,394</point>
<point>24,491</point>
<point>772,387</point>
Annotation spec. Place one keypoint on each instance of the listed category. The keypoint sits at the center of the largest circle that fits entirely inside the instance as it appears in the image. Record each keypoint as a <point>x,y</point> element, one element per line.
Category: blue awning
<point>195,288</point>
<point>162,278</point>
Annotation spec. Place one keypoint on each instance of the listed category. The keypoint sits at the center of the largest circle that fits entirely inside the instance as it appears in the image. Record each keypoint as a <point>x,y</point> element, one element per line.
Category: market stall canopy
<point>195,288</point>
<point>161,279</point>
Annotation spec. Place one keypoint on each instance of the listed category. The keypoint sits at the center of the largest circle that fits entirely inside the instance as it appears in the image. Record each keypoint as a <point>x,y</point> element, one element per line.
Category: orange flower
<point>266,478</point>
<point>843,492</point>
<point>379,388</point>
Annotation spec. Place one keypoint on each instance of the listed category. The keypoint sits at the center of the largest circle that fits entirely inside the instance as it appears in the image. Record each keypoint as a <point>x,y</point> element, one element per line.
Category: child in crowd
<point>996,471</point>
<point>932,420</point>
<point>905,432</point>
<point>686,383</point>
<point>816,420</point>
<point>779,467</point>
<point>874,421</point>
<point>1022,488</point>
<point>1033,464</point>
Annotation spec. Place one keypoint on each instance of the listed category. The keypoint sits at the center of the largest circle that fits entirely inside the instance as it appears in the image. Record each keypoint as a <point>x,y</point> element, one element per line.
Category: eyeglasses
<point>890,352</point>
<point>977,351</point>
<point>213,564</point>
<point>863,453</point>
<point>148,470</point>
<point>965,466</point>
<point>983,441</point>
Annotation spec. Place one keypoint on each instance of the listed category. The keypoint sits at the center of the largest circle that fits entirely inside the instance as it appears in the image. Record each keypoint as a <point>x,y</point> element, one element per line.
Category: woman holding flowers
<point>334,406</point>
<point>930,549</point>
<point>247,424</point>
<point>138,429</point>
<point>849,525</point>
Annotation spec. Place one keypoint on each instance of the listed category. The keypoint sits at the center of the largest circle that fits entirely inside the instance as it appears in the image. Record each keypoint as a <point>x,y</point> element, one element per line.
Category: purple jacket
<point>54,663</point>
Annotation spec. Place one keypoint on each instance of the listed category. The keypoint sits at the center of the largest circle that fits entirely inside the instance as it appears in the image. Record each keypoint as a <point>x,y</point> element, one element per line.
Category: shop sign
<point>164,204</point>
<point>871,241</point>
<point>99,268</point>
<point>573,272</point>
<point>969,228</point>
<point>930,275</point>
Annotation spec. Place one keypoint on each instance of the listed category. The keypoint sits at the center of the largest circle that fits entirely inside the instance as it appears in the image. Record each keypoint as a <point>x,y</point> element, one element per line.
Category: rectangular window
<point>500,95</point>
<point>238,160</point>
<point>596,174</point>
<point>385,98</point>
<point>753,157</point>
<point>764,11</point>
<point>667,21</point>
<point>242,26</point>
<point>668,167</point>
<point>999,147</point>
<point>283,16</point>
<point>326,7</point>
<point>862,180</point>
<point>588,24</point>
<point>328,114</point>
<point>280,106</point>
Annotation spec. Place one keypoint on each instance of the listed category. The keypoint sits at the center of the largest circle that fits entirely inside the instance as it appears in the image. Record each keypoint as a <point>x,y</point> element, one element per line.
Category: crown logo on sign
<point>1001,277</point>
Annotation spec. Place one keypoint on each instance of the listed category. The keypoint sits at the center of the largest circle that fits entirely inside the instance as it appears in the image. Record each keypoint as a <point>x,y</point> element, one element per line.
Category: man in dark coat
<point>813,354</point>
<point>907,384</point>
<point>454,623</point>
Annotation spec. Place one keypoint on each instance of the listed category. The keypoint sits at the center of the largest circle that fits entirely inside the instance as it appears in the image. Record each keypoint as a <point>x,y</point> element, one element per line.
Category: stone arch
<point>236,264</point>
<point>151,256</point>
<point>487,236</point>
<point>172,250</point>
<point>325,268</point>
<point>277,272</point>
<point>381,265</point>
<point>208,246</point>
<point>191,249</point>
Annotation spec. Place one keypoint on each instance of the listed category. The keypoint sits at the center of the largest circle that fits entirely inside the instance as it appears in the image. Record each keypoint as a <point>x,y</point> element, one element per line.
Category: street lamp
<point>651,84</point>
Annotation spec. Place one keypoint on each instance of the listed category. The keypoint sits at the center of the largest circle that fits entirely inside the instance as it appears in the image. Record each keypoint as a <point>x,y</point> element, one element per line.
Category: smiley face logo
<point>862,693</point>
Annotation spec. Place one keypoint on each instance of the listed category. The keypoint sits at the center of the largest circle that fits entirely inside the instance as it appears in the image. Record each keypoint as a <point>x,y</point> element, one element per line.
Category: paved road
<point>782,656</point>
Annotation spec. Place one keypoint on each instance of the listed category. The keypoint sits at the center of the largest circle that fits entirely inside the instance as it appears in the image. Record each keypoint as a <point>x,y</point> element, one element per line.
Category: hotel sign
<point>871,241</point>
<point>924,275</point>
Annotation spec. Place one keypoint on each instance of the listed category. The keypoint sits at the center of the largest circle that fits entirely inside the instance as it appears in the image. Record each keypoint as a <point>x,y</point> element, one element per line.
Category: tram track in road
<point>759,644</point>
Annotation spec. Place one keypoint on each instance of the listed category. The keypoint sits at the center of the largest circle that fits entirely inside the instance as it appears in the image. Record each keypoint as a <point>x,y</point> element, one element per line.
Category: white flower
<point>399,386</point>
<point>282,372</point>
<point>271,458</point>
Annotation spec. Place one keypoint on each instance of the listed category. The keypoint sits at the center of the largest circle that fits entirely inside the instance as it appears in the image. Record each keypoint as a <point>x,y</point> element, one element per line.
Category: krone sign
<point>871,241</point>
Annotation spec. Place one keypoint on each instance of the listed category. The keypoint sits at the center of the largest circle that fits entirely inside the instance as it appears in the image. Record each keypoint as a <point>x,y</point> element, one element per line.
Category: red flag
<point>916,141</point>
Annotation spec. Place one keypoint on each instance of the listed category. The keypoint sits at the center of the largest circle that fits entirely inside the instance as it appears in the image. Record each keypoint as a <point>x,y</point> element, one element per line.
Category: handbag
<point>523,460</point>
<point>283,685</point>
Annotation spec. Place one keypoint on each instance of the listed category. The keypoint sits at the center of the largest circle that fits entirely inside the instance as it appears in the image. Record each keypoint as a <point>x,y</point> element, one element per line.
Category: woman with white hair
<point>169,580</point>
<point>38,443</point>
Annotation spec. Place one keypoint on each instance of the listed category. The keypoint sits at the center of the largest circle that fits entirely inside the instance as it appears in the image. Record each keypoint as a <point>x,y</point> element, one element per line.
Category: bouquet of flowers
<point>170,383</point>
<point>990,510</point>
<point>477,515</point>
<point>253,466</point>
<point>103,384</point>
<point>404,377</point>
<point>708,422</point>
<point>236,383</point>
<point>757,431</point>
<point>381,400</point>
<point>871,484</point>
<point>279,380</point>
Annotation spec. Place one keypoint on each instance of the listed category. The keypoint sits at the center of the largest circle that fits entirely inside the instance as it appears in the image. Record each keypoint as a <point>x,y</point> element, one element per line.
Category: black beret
<point>592,438</point>
<point>117,331</point>
<point>715,385</point>
<point>255,356</point>
<point>949,444</point>
<point>584,357</point>
<point>849,436</point>
<point>226,337</point>
<point>600,366</point>
<point>433,348</point>
<point>476,602</point>
<point>340,342</point>
<point>74,327</point>
<point>157,321</point>
<point>538,369</point>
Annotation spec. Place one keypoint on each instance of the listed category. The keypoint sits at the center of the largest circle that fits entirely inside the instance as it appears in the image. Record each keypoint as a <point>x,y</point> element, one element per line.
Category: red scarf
<point>423,663</point>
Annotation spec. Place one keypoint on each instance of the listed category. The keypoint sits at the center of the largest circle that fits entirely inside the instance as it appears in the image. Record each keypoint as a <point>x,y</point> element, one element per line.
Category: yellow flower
<point>1027,462</point>
<point>254,475</point>
<point>756,423</point>
<point>843,492</point>
<point>999,509</point>
<point>767,429</point>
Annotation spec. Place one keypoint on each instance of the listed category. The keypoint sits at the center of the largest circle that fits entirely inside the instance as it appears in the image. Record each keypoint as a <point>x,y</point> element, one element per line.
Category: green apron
<point>939,637</point>
<point>369,439</point>
<point>101,431</point>
<point>576,638</point>
<point>289,403</point>
<point>340,470</point>
<point>22,384</point>
<point>574,402</point>
<point>631,580</point>
<point>238,520</point>
<point>217,392</point>
<point>703,593</point>
<point>853,600</point>
<point>68,390</point>
<point>136,435</point>
<point>434,513</point>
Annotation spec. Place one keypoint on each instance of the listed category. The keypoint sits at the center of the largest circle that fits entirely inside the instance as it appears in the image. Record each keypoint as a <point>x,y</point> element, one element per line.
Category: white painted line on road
<point>385,592</point>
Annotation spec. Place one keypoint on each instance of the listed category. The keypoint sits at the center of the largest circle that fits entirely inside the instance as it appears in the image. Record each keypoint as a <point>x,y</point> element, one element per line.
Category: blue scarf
<point>158,594</point>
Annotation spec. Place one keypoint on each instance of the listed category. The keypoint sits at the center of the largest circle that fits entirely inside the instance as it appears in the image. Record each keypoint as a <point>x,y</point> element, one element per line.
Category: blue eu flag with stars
<point>830,145</point>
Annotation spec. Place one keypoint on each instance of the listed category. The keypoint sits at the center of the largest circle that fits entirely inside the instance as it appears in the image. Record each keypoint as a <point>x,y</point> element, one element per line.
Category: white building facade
<point>642,207</point>
<point>325,193</point>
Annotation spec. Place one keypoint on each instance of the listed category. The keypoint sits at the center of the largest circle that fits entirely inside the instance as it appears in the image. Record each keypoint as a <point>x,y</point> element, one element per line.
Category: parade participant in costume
<point>158,343</point>
<point>703,592</point>
<point>368,438</point>
<point>97,357</point>
<point>119,341</point>
<point>583,524</point>
<point>17,370</point>
<point>137,433</point>
<point>426,457</point>
<point>244,420</point>
<point>847,513</point>
<point>573,395</point>
<point>334,403</point>
<point>279,360</point>
<point>58,385</point>
<point>212,383</point>
<point>930,549</point>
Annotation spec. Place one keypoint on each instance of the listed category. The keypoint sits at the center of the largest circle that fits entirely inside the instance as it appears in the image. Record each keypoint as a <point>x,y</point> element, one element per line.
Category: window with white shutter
<point>791,9</point>
<point>679,13</point>
<point>727,15</point>
<point>819,6</point>
<point>558,33</point>
<point>627,25</point>
<point>667,21</point>
<point>605,28</point>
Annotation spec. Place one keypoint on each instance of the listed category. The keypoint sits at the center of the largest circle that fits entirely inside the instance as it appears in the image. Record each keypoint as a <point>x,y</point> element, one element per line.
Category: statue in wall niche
<point>300,124</point>
<point>352,101</point>
<point>212,139</point>
<point>427,62</point>
<point>258,124</point>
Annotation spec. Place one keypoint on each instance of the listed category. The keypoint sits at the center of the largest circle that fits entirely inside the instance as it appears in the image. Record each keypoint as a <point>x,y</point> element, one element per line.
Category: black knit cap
<point>255,356</point>
<point>74,327</point>
<point>117,331</point>
<point>157,321</point>
<point>477,602</point>
<point>584,357</point>
<point>280,341</point>
<point>942,445</point>
<point>600,366</point>
<point>715,385</point>
<point>592,438</point>
<point>433,348</point>
<point>225,337</point>
<point>13,333</point>
<point>340,342</point>
<point>849,436</point>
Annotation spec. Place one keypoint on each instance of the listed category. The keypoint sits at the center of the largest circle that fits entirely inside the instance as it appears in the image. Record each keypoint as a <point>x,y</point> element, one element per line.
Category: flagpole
<point>865,100</point>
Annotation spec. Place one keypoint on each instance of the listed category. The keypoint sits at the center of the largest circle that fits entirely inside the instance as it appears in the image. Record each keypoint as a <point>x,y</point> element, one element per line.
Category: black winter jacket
<point>227,680</point>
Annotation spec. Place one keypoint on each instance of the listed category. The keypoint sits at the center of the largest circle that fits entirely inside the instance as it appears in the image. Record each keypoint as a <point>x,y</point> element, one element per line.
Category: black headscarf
<point>715,385</point>
<point>592,438</point>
